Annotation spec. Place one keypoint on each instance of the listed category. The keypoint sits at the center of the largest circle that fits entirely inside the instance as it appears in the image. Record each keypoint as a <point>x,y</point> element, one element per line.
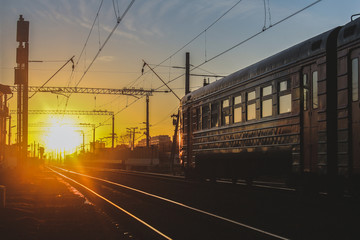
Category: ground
<point>40,205</point>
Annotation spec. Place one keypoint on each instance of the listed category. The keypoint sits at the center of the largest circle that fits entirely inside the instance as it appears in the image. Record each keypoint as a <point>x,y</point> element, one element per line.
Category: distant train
<point>295,114</point>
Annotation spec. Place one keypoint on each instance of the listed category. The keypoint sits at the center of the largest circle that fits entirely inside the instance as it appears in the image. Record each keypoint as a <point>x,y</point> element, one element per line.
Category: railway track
<point>182,209</point>
<point>204,224</point>
<point>280,186</point>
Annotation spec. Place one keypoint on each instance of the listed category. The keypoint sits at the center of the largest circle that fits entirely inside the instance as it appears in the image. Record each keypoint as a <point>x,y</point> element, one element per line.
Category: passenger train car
<point>295,114</point>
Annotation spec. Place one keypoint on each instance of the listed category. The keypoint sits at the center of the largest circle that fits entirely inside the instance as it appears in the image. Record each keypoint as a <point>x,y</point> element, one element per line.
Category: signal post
<point>21,80</point>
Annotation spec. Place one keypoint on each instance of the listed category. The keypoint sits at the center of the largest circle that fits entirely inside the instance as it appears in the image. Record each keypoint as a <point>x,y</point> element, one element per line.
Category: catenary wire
<point>227,50</point>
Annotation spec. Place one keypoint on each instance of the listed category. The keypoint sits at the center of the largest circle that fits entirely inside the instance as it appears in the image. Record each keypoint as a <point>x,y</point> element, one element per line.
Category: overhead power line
<point>87,39</point>
<point>70,60</point>
<point>246,40</point>
<point>193,39</point>
<point>227,50</point>
<point>106,40</point>
<point>204,31</point>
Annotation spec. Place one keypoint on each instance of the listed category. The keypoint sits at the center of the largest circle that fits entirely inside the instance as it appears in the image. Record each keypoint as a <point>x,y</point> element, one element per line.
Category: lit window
<point>251,114</point>
<point>251,106</point>
<point>237,109</point>
<point>225,112</point>
<point>284,97</point>
<point>251,95</point>
<point>355,79</point>
<point>285,104</point>
<point>266,103</point>
<point>266,108</point>
<point>225,103</point>
<point>237,100</point>
<point>283,86</point>
<point>267,91</point>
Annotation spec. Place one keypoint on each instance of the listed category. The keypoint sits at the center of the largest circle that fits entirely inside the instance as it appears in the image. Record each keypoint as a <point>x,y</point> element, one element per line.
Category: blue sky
<point>152,30</point>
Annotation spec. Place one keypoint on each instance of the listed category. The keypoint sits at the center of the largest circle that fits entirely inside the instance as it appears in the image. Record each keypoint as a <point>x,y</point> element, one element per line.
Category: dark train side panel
<point>240,125</point>
<point>348,106</point>
<point>273,144</point>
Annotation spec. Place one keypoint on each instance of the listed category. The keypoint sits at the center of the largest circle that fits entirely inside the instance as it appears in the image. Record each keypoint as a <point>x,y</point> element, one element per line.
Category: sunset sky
<point>152,30</point>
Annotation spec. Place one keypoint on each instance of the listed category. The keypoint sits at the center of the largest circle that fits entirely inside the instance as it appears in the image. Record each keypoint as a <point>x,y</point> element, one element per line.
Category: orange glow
<point>62,136</point>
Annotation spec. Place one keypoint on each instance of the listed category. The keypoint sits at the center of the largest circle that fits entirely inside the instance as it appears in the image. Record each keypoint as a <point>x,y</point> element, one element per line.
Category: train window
<point>355,79</point>
<point>225,103</point>
<point>285,104</point>
<point>237,100</point>
<point>237,109</point>
<point>284,97</point>
<point>283,86</point>
<point>251,95</point>
<point>214,114</point>
<point>315,90</point>
<point>266,108</point>
<point>251,113</point>
<point>225,112</point>
<point>197,119</point>
<point>205,110</point>
<point>266,101</point>
<point>251,106</point>
<point>306,92</point>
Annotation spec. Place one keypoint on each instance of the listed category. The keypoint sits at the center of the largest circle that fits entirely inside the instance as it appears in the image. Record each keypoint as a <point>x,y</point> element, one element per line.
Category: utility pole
<point>83,145</point>
<point>133,142</point>
<point>9,141</point>
<point>132,136</point>
<point>113,133</point>
<point>187,73</point>
<point>173,147</point>
<point>21,80</point>
<point>147,122</point>
<point>177,116</point>
<point>94,138</point>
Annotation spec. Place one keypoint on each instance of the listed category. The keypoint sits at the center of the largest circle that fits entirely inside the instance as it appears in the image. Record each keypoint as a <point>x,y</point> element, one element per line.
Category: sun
<point>63,136</point>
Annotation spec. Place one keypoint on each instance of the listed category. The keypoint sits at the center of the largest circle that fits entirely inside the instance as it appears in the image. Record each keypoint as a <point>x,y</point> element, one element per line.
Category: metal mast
<point>21,80</point>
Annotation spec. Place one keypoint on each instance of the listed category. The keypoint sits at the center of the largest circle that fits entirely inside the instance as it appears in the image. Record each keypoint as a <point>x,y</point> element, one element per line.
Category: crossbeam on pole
<point>69,112</point>
<point>113,91</point>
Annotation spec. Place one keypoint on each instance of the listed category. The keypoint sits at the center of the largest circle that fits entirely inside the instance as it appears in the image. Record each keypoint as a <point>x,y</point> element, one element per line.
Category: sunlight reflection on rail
<point>110,202</point>
<point>176,203</point>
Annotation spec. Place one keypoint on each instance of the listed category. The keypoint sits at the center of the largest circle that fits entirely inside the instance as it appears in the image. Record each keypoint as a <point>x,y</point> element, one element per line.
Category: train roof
<point>349,33</point>
<point>305,49</point>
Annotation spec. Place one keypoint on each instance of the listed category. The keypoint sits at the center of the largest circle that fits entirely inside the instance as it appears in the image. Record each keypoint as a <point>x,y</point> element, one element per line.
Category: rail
<point>157,197</point>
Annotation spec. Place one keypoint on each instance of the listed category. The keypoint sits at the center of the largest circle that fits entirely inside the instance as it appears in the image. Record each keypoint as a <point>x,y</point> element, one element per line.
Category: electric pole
<point>147,122</point>
<point>187,73</point>
<point>132,136</point>
<point>113,131</point>
<point>21,80</point>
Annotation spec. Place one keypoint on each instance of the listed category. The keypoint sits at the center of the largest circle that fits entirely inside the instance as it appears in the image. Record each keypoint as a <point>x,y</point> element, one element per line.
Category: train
<point>294,115</point>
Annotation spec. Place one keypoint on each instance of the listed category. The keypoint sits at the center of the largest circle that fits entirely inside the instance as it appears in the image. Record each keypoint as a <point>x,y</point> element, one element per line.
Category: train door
<point>355,111</point>
<point>310,118</point>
